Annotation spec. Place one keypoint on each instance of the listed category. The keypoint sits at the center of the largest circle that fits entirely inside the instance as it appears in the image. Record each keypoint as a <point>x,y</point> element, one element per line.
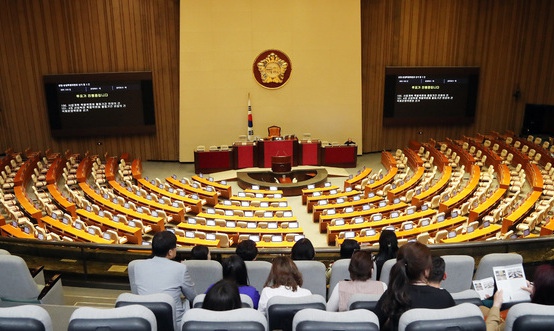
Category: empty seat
<point>25,318</point>
<point>313,275</point>
<point>204,273</point>
<point>318,320</point>
<point>466,314</point>
<point>127,318</point>
<point>530,317</point>
<point>161,304</point>
<point>363,301</point>
<point>243,319</point>
<point>257,273</point>
<point>281,310</point>
<point>459,269</point>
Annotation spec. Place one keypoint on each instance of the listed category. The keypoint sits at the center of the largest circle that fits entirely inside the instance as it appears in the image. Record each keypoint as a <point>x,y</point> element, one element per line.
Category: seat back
<point>243,319</point>
<point>339,272</point>
<point>465,316</point>
<point>161,304</point>
<point>363,301</point>
<point>530,317</point>
<point>274,131</point>
<point>257,273</point>
<point>459,271</point>
<point>244,298</point>
<point>321,320</point>
<point>385,271</point>
<point>16,282</point>
<point>281,310</point>
<point>204,273</point>
<point>470,296</point>
<point>313,276</point>
<point>126,318</point>
<point>25,318</point>
<point>487,262</point>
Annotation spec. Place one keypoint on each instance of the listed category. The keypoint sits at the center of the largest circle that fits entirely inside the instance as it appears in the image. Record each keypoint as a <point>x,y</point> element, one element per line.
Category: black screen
<point>430,95</point>
<point>538,120</point>
<point>100,104</point>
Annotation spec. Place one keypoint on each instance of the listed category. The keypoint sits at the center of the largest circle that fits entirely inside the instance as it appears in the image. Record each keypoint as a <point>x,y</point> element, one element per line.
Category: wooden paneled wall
<point>512,41</point>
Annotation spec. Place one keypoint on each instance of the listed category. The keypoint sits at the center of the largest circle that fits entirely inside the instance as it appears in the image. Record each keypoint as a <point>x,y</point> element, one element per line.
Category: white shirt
<point>269,292</point>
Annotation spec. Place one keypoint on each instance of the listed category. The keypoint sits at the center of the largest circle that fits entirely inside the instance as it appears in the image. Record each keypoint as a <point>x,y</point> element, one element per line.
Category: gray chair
<point>385,270</point>
<point>257,273</point>
<point>243,319</point>
<point>530,317</point>
<point>161,304</point>
<point>363,301</point>
<point>204,273</point>
<point>459,271</point>
<point>281,310</point>
<point>463,317</point>
<point>313,276</point>
<point>245,299</point>
<point>4,252</point>
<point>470,296</point>
<point>25,318</point>
<point>127,318</point>
<point>18,285</point>
<point>487,262</point>
<point>339,271</point>
<point>319,320</point>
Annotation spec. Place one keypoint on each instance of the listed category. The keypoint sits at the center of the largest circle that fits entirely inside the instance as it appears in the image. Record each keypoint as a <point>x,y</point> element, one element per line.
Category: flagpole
<point>250,123</point>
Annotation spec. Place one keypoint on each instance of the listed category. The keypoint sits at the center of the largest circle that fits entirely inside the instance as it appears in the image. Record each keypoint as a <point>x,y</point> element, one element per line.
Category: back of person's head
<point>224,295</point>
<point>361,265</point>
<point>412,266</point>
<point>247,250</point>
<point>303,250</point>
<point>200,252</point>
<point>234,269</point>
<point>388,245</point>
<point>543,282</point>
<point>438,267</point>
<point>348,247</point>
<point>163,242</point>
<point>284,273</point>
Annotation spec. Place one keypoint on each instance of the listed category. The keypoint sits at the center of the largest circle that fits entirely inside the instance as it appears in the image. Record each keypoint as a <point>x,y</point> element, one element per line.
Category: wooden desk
<point>136,169</point>
<point>548,229</point>
<point>413,181</point>
<point>55,170</point>
<point>334,230</point>
<point>465,193</point>
<point>324,220</point>
<point>210,197</point>
<point>307,192</point>
<point>184,241</point>
<point>358,178</point>
<point>177,213</point>
<point>60,200</point>
<point>344,156</point>
<point>485,207</point>
<point>110,168</point>
<point>9,230</point>
<point>194,204</point>
<point>28,207</point>
<point>521,212</point>
<point>318,209</point>
<point>62,229</point>
<point>308,152</point>
<point>274,244</point>
<point>312,200</point>
<point>84,169</point>
<point>157,223</point>
<point>213,161</point>
<point>245,155</point>
<point>223,189</point>
<point>133,234</point>
<point>269,148</point>
<point>418,199</point>
<point>236,218</point>
<point>251,208</point>
<point>270,200</point>
<point>237,230</point>
<point>477,234</point>
<point>390,163</point>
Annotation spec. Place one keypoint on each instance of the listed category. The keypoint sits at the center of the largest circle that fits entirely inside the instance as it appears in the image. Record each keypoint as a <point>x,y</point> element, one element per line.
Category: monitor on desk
<point>241,195</point>
<point>311,187</point>
<point>370,232</point>
<point>277,238</point>
<point>248,213</point>
<point>408,226</point>
<point>452,234</point>
<point>358,220</point>
<point>331,211</point>
<point>251,225</point>
<point>244,203</point>
<point>189,234</point>
<point>272,225</point>
<point>366,207</point>
<point>394,214</point>
<point>40,236</point>
<point>210,211</point>
<point>316,194</point>
<point>356,198</point>
<point>259,195</point>
<point>210,236</point>
<point>349,235</point>
<point>322,202</point>
<point>298,237</point>
<point>327,184</point>
<point>339,200</point>
<point>194,196</point>
<point>227,203</point>
<point>229,213</point>
<point>287,213</point>
<point>131,224</point>
<point>293,225</point>
<point>231,224</point>
<point>254,237</point>
<point>470,229</point>
<point>425,221</point>
<point>191,220</point>
<point>268,214</point>
<point>277,196</point>
<point>349,209</point>
<point>333,192</point>
<point>264,204</point>
<point>283,204</point>
<point>440,217</point>
<point>255,187</point>
<point>348,189</point>
<point>210,222</point>
<point>339,221</point>
<point>370,194</point>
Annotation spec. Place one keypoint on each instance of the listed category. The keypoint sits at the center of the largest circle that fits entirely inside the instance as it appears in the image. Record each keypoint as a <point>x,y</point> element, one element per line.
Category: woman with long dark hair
<point>388,249</point>
<point>409,288</point>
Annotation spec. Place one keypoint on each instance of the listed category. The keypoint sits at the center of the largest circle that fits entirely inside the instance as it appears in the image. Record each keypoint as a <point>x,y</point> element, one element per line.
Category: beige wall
<point>219,41</point>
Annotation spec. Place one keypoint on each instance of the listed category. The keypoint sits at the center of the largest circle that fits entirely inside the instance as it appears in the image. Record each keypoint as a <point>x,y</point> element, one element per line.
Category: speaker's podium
<point>276,147</point>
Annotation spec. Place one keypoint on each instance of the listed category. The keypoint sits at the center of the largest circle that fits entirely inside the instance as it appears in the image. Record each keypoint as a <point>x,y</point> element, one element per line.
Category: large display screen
<point>100,104</point>
<point>430,95</point>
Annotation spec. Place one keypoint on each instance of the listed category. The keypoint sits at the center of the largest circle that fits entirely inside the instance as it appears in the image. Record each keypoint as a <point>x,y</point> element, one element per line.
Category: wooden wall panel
<point>60,36</point>
<point>512,42</point>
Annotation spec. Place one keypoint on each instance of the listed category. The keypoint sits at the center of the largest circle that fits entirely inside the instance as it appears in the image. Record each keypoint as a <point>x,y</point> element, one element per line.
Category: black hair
<point>247,250</point>
<point>199,252</point>
<point>348,247</point>
<point>163,242</point>
<point>303,249</point>
<point>234,269</point>
<point>224,295</point>
<point>438,268</point>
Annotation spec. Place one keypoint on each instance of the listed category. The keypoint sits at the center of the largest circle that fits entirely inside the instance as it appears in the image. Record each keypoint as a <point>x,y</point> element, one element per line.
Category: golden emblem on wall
<point>272,68</point>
